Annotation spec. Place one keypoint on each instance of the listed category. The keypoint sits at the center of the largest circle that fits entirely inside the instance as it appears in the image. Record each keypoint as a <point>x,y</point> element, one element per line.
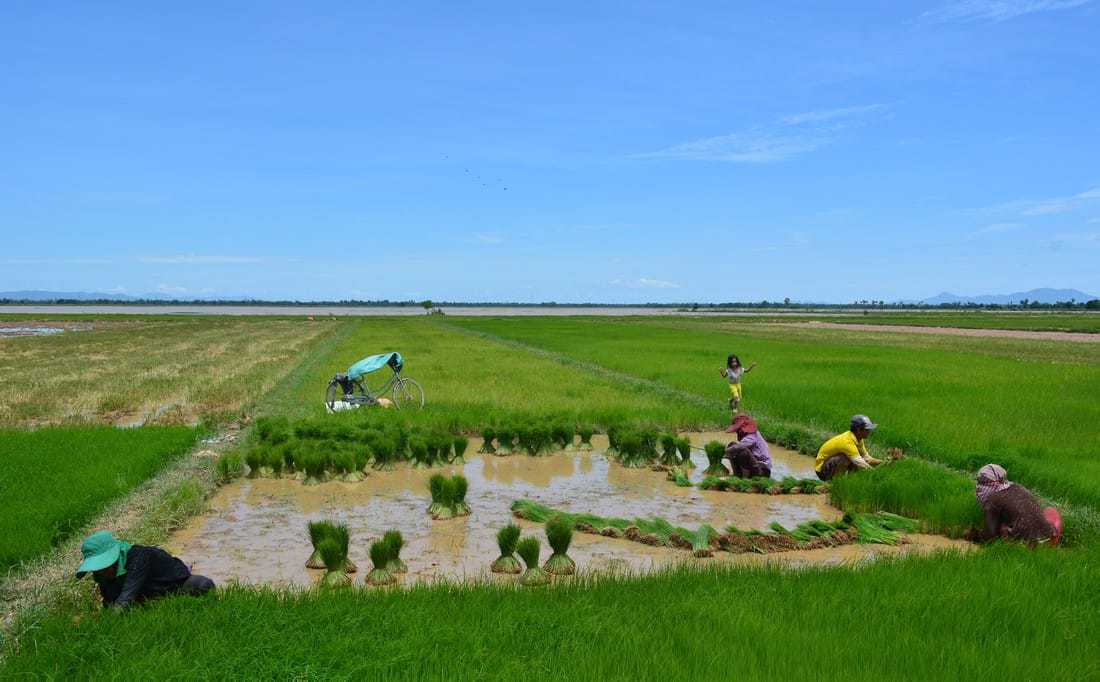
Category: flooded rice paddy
<point>255,530</point>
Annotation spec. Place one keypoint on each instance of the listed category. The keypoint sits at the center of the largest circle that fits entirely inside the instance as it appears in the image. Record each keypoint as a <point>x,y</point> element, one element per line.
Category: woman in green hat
<point>130,574</point>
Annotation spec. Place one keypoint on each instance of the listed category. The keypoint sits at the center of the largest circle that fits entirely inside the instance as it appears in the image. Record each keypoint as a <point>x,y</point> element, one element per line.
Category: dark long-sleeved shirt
<point>1015,511</point>
<point>150,572</point>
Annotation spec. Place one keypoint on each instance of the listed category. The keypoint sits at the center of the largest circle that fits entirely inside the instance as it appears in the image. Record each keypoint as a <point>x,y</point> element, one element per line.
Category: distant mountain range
<point>1045,296</point>
<point>1039,295</point>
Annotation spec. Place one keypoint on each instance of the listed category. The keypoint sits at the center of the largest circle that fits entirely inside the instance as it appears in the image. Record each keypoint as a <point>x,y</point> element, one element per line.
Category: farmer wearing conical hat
<point>1012,511</point>
<point>129,574</point>
<point>847,451</point>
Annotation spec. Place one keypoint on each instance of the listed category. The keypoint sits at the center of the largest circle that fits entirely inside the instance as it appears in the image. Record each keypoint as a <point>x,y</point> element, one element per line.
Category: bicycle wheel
<point>407,393</point>
<point>334,393</point>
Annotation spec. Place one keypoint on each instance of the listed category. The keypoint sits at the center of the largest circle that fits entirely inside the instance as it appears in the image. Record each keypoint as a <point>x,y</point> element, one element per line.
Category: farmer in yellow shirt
<point>848,451</point>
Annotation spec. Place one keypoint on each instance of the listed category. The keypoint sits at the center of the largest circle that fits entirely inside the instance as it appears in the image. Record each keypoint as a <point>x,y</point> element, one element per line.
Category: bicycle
<point>350,391</point>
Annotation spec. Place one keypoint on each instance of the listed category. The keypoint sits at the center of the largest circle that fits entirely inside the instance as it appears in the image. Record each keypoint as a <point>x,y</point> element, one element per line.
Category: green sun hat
<point>100,550</point>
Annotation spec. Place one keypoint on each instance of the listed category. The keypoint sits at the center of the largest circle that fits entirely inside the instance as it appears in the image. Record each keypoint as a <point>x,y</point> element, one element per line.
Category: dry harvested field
<point>132,371</point>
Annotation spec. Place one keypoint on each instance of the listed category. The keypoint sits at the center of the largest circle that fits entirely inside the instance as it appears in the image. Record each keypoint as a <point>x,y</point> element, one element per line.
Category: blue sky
<point>616,152</point>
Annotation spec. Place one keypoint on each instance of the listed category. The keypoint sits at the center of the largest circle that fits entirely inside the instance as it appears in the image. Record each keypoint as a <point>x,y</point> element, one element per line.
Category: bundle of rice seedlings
<point>683,446</point>
<point>436,484</point>
<point>680,478</point>
<point>270,458</point>
<point>346,467</point>
<point>881,528</point>
<point>362,456</point>
<point>700,541</point>
<point>630,450</point>
<point>668,450</point>
<point>313,466</point>
<point>788,484</point>
<point>394,542</point>
<point>525,437</point>
<point>460,443</point>
<point>418,449</point>
<point>507,538</point>
<point>273,430</point>
<point>488,433</point>
<point>559,533</point>
<point>384,449</point>
<point>614,438</point>
<point>650,439</point>
<point>562,435</point>
<point>586,437</point>
<point>741,485</point>
<point>528,550</point>
<point>229,466</point>
<point>334,557</point>
<point>254,458</point>
<point>441,448</point>
<point>287,451</point>
<point>715,452</point>
<point>460,485</point>
<point>810,485</point>
<point>714,483</point>
<point>318,531</point>
<point>380,558</point>
<point>506,437</point>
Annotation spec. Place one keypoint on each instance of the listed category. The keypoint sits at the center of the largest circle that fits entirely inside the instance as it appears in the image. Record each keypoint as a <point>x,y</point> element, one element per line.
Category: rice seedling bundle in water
<point>630,450</point>
<point>314,466</point>
<point>650,439</point>
<point>436,485</point>
<point>505,439</point>
<point>559,533</point>
<point>701,539</point>
<point>488,433</point>
<point>562,436</point>
<point>380,559</point>
<point>586,437</point>
<point>334,557</point>
<point>715,452</point>
<point>614,434</point>
<point>507,538</point>
<point>418,448</point>
<point>229,466</point>
<point>683,447</point>
<point>460,486</point>
<point>318,531</point>
<point>441,452</point>
<point>384,449</point>
<point>668,450</point>
<point>394,542</point>
<point>254,458</point>
<point>528,550</point>
<point>460,444</point>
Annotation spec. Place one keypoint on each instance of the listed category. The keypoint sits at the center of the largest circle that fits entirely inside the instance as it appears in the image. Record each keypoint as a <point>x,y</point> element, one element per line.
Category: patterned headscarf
<point>991,479</point>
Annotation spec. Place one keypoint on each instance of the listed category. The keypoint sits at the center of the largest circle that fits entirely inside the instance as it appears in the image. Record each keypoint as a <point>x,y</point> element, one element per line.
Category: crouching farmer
<point>848,451</point>
<point>129,574</point>
<point>1012,511</point>
<point>749,456</point>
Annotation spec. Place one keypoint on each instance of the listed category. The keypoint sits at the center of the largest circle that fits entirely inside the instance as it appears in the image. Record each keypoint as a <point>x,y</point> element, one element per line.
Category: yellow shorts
<point>735,391</point>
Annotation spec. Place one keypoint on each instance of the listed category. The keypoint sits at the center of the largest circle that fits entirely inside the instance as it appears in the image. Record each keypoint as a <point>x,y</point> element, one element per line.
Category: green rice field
<point>1002,611</point>
<point>57,479</point>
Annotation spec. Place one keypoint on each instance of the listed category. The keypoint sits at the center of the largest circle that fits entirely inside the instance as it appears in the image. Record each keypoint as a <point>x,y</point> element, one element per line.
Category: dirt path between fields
<point>946,331</point>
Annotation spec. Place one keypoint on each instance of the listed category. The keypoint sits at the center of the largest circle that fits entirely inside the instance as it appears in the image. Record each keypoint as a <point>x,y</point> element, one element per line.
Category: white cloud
<point>489,237</point>
<point>171,289</point>
<point>1038,207</point>
<point>645,283</point>
<point>829,114</point>
<point>790,136</point>
<point>997,10</point>
<point>194,259</point>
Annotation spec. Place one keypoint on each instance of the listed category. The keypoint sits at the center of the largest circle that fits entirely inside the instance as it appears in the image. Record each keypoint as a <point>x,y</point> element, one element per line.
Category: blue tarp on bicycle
<point>373,363</point>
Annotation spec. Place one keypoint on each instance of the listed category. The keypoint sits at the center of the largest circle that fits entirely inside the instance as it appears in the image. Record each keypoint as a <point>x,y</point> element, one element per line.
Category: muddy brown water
<point>255,529</point>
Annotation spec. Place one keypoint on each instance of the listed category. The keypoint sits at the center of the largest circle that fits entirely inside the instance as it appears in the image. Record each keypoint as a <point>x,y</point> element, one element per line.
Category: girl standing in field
<point>733,372</point>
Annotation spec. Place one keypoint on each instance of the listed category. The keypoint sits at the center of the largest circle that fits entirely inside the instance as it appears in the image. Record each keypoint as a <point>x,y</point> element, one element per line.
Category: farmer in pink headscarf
<point>1012,512</point>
